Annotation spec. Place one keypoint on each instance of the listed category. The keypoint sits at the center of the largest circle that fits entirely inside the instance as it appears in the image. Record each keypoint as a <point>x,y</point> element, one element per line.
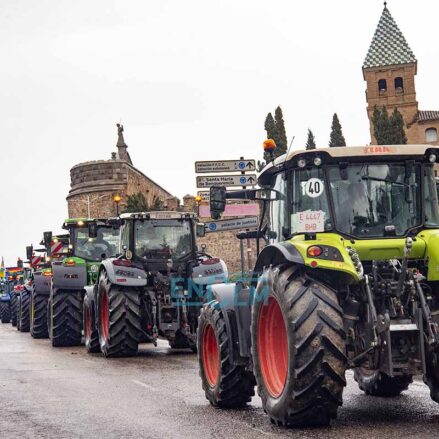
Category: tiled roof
<point>388,45</point>
<point>425,116</point>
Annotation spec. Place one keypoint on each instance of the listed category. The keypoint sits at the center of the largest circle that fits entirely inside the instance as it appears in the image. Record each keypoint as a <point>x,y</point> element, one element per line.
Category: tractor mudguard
<point>276,254</point>
<point>90,292</point>
<point>69,277</point>
<point>234,301</point>
<point>42,283</point>
<point>124,275</point>
<point>5,297</point>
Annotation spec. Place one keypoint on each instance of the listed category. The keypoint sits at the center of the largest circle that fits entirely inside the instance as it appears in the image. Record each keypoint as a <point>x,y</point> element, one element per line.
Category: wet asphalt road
<point>67,393</point>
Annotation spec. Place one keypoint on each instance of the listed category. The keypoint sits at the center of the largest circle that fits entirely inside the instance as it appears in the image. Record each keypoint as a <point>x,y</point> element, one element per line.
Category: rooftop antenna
<point>288,150</point>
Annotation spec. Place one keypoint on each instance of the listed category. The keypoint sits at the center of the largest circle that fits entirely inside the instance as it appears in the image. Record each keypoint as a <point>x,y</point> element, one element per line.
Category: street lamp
<point>117,199</point>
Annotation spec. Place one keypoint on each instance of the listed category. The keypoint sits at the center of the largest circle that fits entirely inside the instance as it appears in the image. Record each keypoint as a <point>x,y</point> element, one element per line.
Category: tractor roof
<point>349,154</point>
<point>159,215</point>
<point>80,222</point>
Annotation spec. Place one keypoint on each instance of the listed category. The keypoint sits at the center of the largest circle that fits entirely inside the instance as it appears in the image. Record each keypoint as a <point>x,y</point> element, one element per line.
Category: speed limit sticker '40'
<point>313,188</point>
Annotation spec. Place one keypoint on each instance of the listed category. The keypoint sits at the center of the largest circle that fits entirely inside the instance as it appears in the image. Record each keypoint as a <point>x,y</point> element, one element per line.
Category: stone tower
<point>94,185</point>
<point>389,71</point>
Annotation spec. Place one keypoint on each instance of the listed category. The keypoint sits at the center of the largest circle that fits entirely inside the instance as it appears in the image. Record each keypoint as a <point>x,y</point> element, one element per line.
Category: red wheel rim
<point>87,325</point>
<point>273,347</point>
<point>104,314</point>
<point>210,356</point>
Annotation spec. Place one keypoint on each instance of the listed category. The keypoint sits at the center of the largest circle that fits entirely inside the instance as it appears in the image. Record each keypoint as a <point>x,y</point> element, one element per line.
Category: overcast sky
<point>190,80</point>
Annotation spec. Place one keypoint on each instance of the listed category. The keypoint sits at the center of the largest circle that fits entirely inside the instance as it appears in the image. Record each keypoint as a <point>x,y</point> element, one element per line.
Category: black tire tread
<point>5,312</point>
<point>24,311</point>
<point>39,327</point>
<point>236,385</point>
<point>319,360</point>
<point>66,313</point>
<point>14,309</point>
<point>125,331</point>
<point>91,345</point>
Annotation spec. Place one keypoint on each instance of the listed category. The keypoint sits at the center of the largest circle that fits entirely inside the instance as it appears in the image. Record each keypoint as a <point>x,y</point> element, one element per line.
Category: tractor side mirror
<point>92,230</point>
<point>217,201</point>
<point>47,238</point>
<point>201,230</point>
<point>29,252</point>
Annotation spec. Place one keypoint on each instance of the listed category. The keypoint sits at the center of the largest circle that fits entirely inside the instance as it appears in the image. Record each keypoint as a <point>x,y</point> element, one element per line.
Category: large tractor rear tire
<point>38,316</point>
<point>376,383</point>
<point>298,348</point>
<point>225,384</point>
<point>5,312</point>
<point>65,318</point>
<point>91,335</point>
<point>431,378</point>
<point>24,311</point>
<point>119,322</point>
<point>14,309</point>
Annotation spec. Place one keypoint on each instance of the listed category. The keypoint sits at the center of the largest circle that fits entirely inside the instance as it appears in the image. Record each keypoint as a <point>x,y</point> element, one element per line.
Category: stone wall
<point>94,184</point>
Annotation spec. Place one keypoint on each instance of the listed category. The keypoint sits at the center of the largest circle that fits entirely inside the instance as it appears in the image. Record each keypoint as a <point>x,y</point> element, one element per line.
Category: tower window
<point>431,135</point>
<point>399,85</point>
<point>382,86</point>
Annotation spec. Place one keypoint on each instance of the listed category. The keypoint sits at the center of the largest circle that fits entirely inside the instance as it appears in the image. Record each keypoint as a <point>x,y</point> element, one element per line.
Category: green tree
<point>136,203</point>
<point>281,135</point>
<point>336,137</point>
<point>270,128</point>
<point>157,203</point>
<point>311,141</point>
<point>388,130</point>
<point>397,128</point>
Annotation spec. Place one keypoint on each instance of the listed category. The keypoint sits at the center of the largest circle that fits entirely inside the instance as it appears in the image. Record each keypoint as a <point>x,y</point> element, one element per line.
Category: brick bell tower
<point>389,71</point>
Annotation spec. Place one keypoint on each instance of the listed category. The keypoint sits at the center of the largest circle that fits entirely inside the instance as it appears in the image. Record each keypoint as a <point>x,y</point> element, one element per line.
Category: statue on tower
<point>120,139</point>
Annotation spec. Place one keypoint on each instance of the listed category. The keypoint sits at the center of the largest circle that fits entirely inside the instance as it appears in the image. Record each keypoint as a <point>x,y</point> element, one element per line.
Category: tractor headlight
<point>301,163</point>
<point>317,161</point>
<point>432,158</point>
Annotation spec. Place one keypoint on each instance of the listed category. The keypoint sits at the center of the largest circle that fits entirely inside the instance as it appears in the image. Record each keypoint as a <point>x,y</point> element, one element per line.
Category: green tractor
<point>90,241</point>
<point>349,278</point>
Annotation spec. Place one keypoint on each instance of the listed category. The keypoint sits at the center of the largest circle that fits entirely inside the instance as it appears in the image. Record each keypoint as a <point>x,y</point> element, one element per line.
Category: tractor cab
<point>160,241</point>
<point>92,239</point>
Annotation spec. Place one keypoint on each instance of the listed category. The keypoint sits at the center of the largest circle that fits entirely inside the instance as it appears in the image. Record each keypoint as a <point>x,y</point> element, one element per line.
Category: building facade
<point>389,70</point>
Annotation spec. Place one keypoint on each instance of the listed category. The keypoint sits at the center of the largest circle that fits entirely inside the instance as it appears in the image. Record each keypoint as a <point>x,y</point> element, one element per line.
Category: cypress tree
<point>336,137</point>
<point>388,130</point>
<point>397,128</point>
<point>311,141</point>
<point>270,128</point>
<point>281,135</point>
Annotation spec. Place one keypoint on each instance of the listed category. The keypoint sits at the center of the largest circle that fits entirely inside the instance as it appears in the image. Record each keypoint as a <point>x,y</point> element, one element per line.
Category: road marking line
<point>144,385</point>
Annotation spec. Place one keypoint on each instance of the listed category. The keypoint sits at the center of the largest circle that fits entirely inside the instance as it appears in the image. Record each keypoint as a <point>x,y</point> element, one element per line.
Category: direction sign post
<point>206,181</point>
<point>249,222</point>
<point>206,167</point>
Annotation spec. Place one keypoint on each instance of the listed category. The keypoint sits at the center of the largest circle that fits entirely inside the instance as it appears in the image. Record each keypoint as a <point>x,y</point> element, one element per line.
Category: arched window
<point>399,85</point>
<point>382,86</point>
<point>431,135</point>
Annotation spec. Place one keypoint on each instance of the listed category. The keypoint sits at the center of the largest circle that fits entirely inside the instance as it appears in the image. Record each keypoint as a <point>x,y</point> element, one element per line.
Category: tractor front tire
<point>91,335</point>
<point>298,348</point>
<point>5,312</point>
<point>431,378</point>
<point>377,383</point>
<point>119,323</point>
<point>14,309</point>
<point>65,318</point>
<point>225,384</point>
<point>38,316</point>
<point>24,311</point>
